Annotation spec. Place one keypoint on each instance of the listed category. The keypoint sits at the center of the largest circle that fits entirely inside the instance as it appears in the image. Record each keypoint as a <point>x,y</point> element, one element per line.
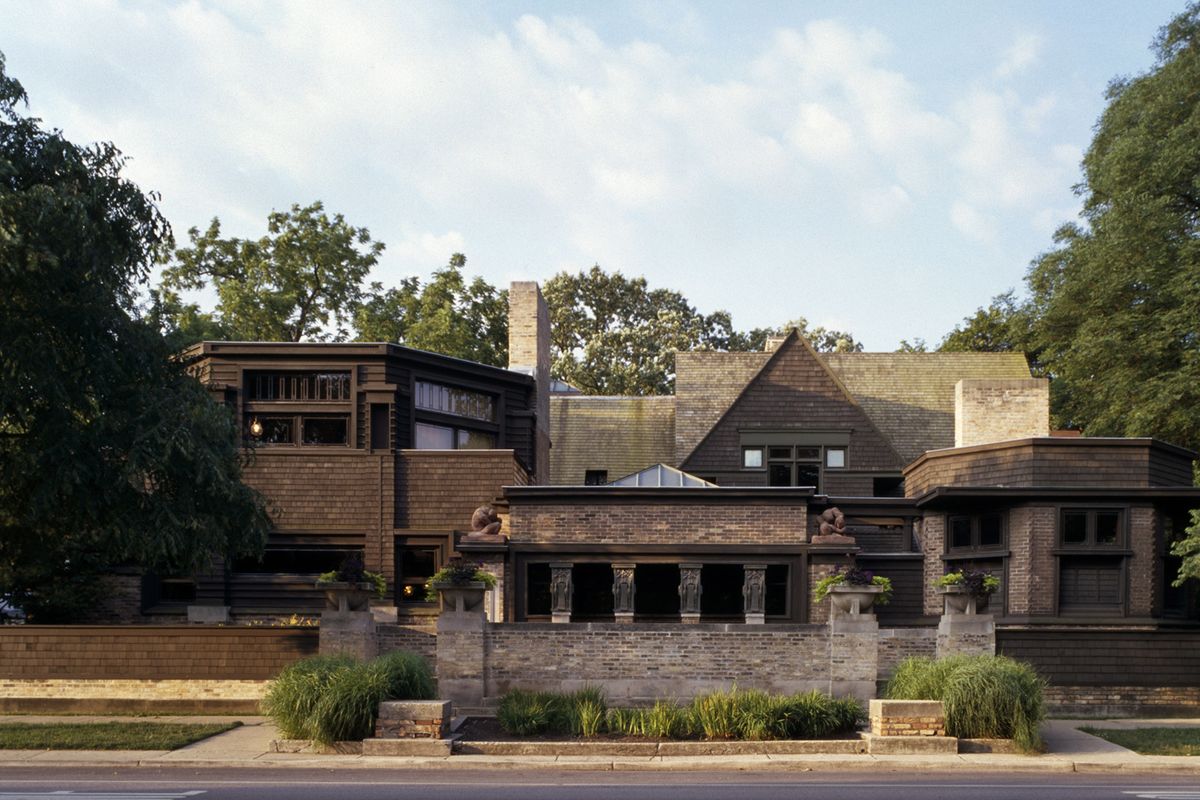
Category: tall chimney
<point>529,352</point>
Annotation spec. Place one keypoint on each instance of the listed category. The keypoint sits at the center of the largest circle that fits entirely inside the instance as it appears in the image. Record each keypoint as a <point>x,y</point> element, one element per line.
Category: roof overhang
<point>943,496</point>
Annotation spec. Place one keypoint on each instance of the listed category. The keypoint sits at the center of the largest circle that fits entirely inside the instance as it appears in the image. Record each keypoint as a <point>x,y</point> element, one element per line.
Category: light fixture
<point>408,590</point>
<point>256,428</point>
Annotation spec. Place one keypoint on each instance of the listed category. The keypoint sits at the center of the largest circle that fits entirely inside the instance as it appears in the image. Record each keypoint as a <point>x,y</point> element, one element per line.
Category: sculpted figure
<point>833,522</point>
<point>485,521</point>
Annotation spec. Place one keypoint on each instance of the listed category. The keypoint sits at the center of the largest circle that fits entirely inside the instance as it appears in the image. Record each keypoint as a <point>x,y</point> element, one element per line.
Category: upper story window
<point>298,387</point>
<point>456,402</point>
<point>975,532</point>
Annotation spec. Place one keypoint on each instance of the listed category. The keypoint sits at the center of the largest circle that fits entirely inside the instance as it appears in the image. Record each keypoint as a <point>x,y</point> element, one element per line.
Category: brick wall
<point>1031,567</point>
<point>930,533</point>
<point>1145,578</point>
<point>649,661</point>
<point>150,652</point>
<point>415,637</point>
<point>993,410</point>
<point>897,644</point>
<point>1122,701</point>
<point>647,523</point>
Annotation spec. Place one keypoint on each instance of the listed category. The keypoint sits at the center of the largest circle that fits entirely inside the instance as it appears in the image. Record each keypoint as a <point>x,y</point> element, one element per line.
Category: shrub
<point>291,699</point>
<point>983,696</point>
<point>716,714</point>
<point>524,713</point>
<point>336,698</point>
<point>978,582</point>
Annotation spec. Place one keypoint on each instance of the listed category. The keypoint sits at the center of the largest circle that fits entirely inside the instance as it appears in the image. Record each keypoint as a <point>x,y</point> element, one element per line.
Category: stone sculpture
<point>485,522</point>
<point>832,528</point>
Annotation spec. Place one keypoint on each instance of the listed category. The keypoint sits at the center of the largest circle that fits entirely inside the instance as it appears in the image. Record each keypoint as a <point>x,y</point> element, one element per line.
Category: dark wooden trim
<point>733,551</point>
<point>1050,442</point>
<point>721,495</point>
<point>950,494</point>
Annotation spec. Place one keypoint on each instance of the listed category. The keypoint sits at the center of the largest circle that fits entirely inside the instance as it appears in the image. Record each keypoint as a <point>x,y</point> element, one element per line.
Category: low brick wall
<point>1090,702</point>
<point>907,718</point>
<point>150,652</point>
<point>646,661</point>
<point>415,637</point>
<point>897,644</point>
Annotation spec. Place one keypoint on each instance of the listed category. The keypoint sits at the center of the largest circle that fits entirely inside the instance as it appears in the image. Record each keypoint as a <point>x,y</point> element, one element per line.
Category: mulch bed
<point>487,729</point>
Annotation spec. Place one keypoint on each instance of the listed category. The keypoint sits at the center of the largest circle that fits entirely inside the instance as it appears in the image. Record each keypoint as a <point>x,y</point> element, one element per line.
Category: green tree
<point>1004,326</point>
<point>822,339</point>
<point>446,315</point>
<point>110,453</point>
<point>1117,301</point>
<point>304,277</point>
<point>614,335</point>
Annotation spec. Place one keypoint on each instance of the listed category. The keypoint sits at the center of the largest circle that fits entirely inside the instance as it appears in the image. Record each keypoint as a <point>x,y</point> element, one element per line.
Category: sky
<point>883,168</point>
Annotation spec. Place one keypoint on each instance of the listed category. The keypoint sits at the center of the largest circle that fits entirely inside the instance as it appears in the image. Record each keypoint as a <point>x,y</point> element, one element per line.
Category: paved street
<point>521,784</point>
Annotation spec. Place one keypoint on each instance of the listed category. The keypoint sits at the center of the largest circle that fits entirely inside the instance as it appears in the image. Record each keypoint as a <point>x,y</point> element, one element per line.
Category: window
<point>298,386</point>
<point>835,457</point>
<point>417,560</point>
<point>752,458</point>
<point>1089,579</point>
<point>454,401</point>
<point>1081,528</point>
<point>444,437</point>
<point>595,477</point>
<point>313,429</point>
<point>797,465</point>
<point>975,532</point>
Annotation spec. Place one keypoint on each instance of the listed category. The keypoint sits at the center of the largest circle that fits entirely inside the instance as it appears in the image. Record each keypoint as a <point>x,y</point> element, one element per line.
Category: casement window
<point>273,418</point>
<point>455,402</point>
<point>453,418</point>
<point>595,477</point>
<point>298,387</point>
<point>974,532</point>
<point>1091,561</point>
<point>417,559</point>
<point>795,458</point>
<point>314,430</point>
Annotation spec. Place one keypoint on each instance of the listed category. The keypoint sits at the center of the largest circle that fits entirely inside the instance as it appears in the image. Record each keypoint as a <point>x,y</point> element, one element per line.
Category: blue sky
<point>882,168</point>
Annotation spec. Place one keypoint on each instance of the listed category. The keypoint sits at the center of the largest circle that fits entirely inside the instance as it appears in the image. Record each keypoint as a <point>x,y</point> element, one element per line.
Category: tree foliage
<point>1118,301</point>
<point>446,315</point>
<point>110,454</point>
<point>304,277</point>
<point>1004,326</point>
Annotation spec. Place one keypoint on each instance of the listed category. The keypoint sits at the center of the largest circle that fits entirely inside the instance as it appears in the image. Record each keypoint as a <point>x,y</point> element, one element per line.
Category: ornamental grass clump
<point>524,713</point>
<point>984,697</point>
<point>716,714</point>
<point>336,698</point>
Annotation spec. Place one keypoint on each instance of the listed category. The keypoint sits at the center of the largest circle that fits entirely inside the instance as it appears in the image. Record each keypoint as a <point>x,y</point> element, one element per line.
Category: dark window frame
<point>1089,545</point>
<point>444,547</point>
<point>297,420</point>
<point>976,547</point>
<point>1117,553</point>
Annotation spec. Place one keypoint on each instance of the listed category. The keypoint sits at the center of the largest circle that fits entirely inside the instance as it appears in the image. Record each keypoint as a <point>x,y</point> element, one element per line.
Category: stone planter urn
<point>343,596</point>
<point>960,600</point>
<point>460,598</point>
<point>850,599</point>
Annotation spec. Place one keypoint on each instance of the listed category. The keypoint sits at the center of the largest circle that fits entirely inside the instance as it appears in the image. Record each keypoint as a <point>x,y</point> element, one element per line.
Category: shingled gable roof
<point>618,434</point>
<point>814,395</point>
<point>909,396</point>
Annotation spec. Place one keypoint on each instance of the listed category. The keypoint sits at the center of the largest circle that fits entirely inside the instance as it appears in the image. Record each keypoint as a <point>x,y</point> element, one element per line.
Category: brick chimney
<point>995,410</point>
<point>529,352</point>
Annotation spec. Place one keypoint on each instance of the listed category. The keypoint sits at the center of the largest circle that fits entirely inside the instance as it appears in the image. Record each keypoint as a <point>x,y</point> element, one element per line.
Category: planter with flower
<point>853,590</point>
<point>460,585</point>
<point>967,590</point>
<point>349,587</point>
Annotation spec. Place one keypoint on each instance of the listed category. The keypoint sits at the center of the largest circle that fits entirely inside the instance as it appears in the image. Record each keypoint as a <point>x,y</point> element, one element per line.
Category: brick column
<point>1144,575</point>
<point>689,592</point>
<point>623,592</point>
<point>461,645</point>
<point>754,591</point>
<point>560,591</point>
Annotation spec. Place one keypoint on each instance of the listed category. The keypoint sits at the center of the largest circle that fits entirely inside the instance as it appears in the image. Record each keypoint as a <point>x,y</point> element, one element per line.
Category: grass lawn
<point>1153,741</point>
<point>105,735</point>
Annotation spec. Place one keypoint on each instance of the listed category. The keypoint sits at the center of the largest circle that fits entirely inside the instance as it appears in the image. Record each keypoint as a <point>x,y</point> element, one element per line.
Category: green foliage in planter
<point>336,698</point>
<point>523,713</point>
<point>977,582</point>
<point>983,696</point>
<point>458,572</point>
<point>853,577</point>
<point>351,571</point>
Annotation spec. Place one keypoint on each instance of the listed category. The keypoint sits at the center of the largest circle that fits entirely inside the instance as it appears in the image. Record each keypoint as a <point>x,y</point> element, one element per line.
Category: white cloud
<point>1020,55</point>
<point>972,223</point>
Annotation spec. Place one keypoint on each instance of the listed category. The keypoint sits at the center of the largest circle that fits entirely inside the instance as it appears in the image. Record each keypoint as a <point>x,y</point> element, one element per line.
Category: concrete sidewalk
<point>1068,750</point>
